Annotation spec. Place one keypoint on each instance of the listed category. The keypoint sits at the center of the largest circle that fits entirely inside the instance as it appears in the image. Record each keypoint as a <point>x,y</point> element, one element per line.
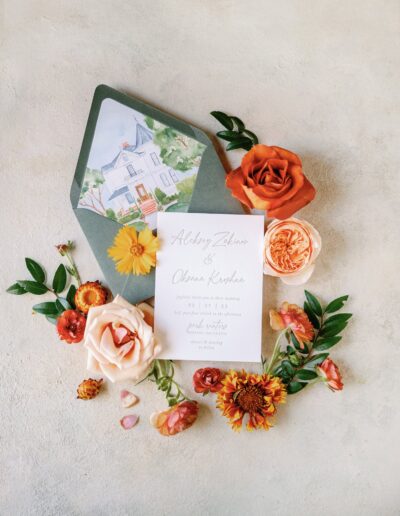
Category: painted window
<point>173,175</point>
<point>165,179</point>
<point>131,170</point>
<point>129,198</point>
<point>155,159</point>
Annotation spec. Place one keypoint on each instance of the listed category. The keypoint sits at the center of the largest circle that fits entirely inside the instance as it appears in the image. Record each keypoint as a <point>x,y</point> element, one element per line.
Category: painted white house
<point>133,175</point>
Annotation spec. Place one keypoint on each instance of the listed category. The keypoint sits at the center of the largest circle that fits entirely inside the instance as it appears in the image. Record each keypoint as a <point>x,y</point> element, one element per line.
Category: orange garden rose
<point>293,317</point>
<point>176,419</point>
<point>330,373</point>
<point>271,179</point>
<point>207,380</point>
<point>291,248</point>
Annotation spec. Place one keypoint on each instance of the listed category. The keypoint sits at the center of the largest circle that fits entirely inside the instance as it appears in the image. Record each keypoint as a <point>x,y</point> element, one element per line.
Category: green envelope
<point>209,195</point>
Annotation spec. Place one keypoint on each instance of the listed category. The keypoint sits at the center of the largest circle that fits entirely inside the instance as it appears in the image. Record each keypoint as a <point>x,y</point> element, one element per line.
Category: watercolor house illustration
<point>135,173</point>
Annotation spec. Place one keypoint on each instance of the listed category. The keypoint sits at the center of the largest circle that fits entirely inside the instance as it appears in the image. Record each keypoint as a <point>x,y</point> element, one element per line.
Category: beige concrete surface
<point>318,77</point>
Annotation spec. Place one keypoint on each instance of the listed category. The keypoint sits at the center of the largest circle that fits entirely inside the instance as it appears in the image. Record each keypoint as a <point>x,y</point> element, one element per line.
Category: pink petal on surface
<point>128,399</point>
<point>128,422</point>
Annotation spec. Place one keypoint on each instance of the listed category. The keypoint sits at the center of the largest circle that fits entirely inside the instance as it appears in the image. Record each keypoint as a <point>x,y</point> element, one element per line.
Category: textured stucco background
<point>319,77</point>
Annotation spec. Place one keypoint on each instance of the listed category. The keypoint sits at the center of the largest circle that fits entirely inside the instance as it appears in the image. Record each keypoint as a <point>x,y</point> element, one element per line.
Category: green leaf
<point>33,287</point>
<point>238,122</point>
<point>240,143</point>
<point>172,401</point>
<point>60,279</point>
<point>311,315</point>
<point>71,295</point>
<point>295,360</point>
<point>294,387</point>
<point>62,304</point>
<point>16,289</point>
<point>336,304</point>
<point>251,135</point>
<point>316,360</point>
<point>228,135</point>
<point>323,344</point>
<point>36,270</point>
<point>51,319</point>
<point>297,344</point>
<point>47,308</point>
<point>313,303</point>
<point>337,318</point>
<point>333,329</point>
<point>287,368</point>
<point>306,375</point>
<point>223,119</point>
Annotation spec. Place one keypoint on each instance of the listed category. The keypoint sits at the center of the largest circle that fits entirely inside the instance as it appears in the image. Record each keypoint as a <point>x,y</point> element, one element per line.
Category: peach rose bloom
<point>291,247</point>
<point>293,317</point>
<point>176,419</point>
<point>330,373</point>
<point>271,179</point>
<point>119,341</point>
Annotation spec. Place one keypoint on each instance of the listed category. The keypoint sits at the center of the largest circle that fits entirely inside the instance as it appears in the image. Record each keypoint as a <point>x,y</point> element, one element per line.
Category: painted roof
<point>143,135</point>
<point>119,192</point>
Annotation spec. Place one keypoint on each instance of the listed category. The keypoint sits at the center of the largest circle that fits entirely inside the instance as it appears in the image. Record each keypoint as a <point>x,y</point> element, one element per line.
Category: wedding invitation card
<point>208,295</point>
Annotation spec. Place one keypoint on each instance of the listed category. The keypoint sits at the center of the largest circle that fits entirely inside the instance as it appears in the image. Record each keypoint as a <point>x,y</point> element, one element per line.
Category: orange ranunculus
<point>293,317</point>
<point>207,380</point>
<point>330,373</point>
<point>176,419</point>
<point>271,179</point>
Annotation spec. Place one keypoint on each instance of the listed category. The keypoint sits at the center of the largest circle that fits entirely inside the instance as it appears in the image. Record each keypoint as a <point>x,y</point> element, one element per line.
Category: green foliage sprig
<point>296,365</point>
<point>38,286</point>
<point>162,373</point>
<point>236,133</point>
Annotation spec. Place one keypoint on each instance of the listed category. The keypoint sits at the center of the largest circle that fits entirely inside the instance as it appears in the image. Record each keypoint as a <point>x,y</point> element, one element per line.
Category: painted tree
<point>176,149</point>
<point>91,192</point>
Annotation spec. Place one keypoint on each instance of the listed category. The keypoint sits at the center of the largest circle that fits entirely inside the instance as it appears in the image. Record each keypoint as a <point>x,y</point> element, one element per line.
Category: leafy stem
<point>162,373</point>
<point>236,133</point>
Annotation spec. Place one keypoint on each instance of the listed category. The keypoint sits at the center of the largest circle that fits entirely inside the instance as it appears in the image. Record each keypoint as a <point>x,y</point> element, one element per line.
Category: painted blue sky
<point>116,124</point>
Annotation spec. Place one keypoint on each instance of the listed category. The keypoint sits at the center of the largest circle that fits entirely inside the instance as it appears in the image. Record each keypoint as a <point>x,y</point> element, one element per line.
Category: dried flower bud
<point>89,389</point>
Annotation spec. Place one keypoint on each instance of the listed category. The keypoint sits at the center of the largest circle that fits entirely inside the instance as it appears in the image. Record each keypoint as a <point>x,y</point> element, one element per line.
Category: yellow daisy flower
<point>133,252</point>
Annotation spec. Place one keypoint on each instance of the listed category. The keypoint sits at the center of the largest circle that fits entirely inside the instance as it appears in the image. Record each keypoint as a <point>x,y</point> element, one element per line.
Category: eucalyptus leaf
<point>71,295</point>
<point>46,308</point>
<point>223,119</point>
<point>239,123</point>
<point>294,387</point>
<point>60,279</point>
<point>36,270</point>
<point>311,315</point>
<point>323,344</point>
<point>305,374</point>
<point>240,143</point>
<point>313,303</point>
<point>16,289</point>
<point>316,360</point>
<point>336,304</point>
<point>33,287</point>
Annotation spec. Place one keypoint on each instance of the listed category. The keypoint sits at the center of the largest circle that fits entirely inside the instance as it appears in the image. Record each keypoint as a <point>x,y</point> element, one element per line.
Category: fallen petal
<point>128,422</point>
<point>128,399</point>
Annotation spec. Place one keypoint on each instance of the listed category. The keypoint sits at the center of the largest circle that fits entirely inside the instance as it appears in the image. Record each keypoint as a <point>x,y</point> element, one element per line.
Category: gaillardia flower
<point>176,419</point>
<point>90,294</point>
<point>330,374</point>
<point>254,395</point>
<point>291,247</point>
<point>134,253</point>
<point>293,317</point>
<point>71,326</point>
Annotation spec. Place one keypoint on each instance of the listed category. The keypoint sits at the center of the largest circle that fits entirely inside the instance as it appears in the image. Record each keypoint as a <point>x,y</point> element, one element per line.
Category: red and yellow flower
<point>254,395</point>
<point>330,374</point>
<point>293,317</point>
<point>90,294</point>
<point>207,380</point>
<point>71,326</point>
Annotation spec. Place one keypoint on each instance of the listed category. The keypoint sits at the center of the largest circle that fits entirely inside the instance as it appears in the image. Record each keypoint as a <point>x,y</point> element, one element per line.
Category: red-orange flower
<point>253,394</point>
<point>176,419</point>
<point>207,380</point>
<point>71,326</point>
<point>330,373</point>
<point>271,179</point>
<point>293,317</point>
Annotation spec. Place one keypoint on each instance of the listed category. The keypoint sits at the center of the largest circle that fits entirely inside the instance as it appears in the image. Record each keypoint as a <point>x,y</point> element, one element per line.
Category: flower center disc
<point>137,249</point>
<point>250,398</point>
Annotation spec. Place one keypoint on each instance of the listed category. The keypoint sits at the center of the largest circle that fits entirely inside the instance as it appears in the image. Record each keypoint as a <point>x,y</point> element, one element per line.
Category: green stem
<point>74,269</point>
<point>275,354</point>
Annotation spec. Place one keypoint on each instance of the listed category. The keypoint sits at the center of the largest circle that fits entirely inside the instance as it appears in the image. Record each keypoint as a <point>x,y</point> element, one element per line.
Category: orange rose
<point>271,179</point>
<point>293,317</point>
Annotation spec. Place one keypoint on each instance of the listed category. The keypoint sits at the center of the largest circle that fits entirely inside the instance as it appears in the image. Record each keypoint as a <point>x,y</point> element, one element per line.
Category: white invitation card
<point>209,280</point>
